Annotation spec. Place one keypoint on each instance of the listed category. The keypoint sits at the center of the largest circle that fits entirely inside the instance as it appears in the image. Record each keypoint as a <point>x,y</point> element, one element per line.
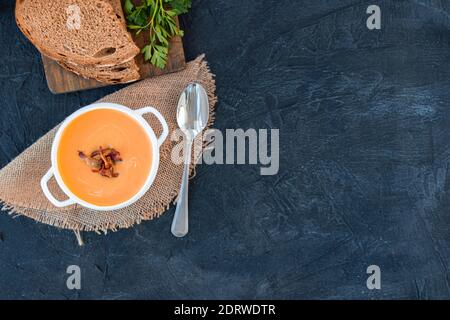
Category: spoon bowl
<point>193,109</point>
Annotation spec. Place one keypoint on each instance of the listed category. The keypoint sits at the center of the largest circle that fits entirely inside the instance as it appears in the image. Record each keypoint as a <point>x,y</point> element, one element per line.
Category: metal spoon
<point>192,118</point>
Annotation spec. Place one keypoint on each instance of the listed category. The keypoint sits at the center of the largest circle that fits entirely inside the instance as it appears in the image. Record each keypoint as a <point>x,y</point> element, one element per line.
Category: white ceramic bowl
<point>135,114</point>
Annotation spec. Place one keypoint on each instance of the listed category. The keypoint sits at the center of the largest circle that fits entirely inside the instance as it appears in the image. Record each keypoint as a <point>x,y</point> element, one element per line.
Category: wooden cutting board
<point>60,80</point>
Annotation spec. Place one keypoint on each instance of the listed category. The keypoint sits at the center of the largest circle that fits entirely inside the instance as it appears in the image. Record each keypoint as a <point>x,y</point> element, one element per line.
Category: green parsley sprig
<point>157,16</point>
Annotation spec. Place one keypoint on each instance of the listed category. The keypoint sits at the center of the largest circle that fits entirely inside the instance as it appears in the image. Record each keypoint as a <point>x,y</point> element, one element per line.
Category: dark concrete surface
<point>364,119</point>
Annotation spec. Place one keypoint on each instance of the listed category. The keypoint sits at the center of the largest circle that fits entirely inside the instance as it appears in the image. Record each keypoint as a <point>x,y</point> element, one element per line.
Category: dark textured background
<point>364,123</point>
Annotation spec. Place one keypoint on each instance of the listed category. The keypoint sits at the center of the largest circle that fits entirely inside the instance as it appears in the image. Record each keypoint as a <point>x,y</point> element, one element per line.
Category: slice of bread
<point>83,32</point>
<point>121,73</point>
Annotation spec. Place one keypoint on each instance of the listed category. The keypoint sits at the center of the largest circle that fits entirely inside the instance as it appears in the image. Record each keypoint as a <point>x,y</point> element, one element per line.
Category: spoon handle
<point>180,224</point>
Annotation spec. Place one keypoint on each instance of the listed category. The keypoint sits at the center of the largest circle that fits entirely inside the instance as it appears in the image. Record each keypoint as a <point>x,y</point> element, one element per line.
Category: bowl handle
<point>47,193</point>
<point>161,119</point>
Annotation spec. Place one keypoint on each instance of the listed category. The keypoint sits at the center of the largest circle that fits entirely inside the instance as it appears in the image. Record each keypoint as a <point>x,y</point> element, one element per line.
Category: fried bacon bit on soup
<point>102,161</point>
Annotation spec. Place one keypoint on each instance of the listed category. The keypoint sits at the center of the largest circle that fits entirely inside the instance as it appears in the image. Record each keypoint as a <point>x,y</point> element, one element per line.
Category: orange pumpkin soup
<point>106,128</point>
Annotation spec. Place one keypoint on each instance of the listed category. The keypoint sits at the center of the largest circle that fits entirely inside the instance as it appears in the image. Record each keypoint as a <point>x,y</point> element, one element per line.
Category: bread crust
<point>121,73</point>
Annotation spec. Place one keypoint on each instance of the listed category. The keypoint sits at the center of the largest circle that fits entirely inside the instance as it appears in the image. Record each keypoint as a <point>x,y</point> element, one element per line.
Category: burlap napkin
<point>20,190</point>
